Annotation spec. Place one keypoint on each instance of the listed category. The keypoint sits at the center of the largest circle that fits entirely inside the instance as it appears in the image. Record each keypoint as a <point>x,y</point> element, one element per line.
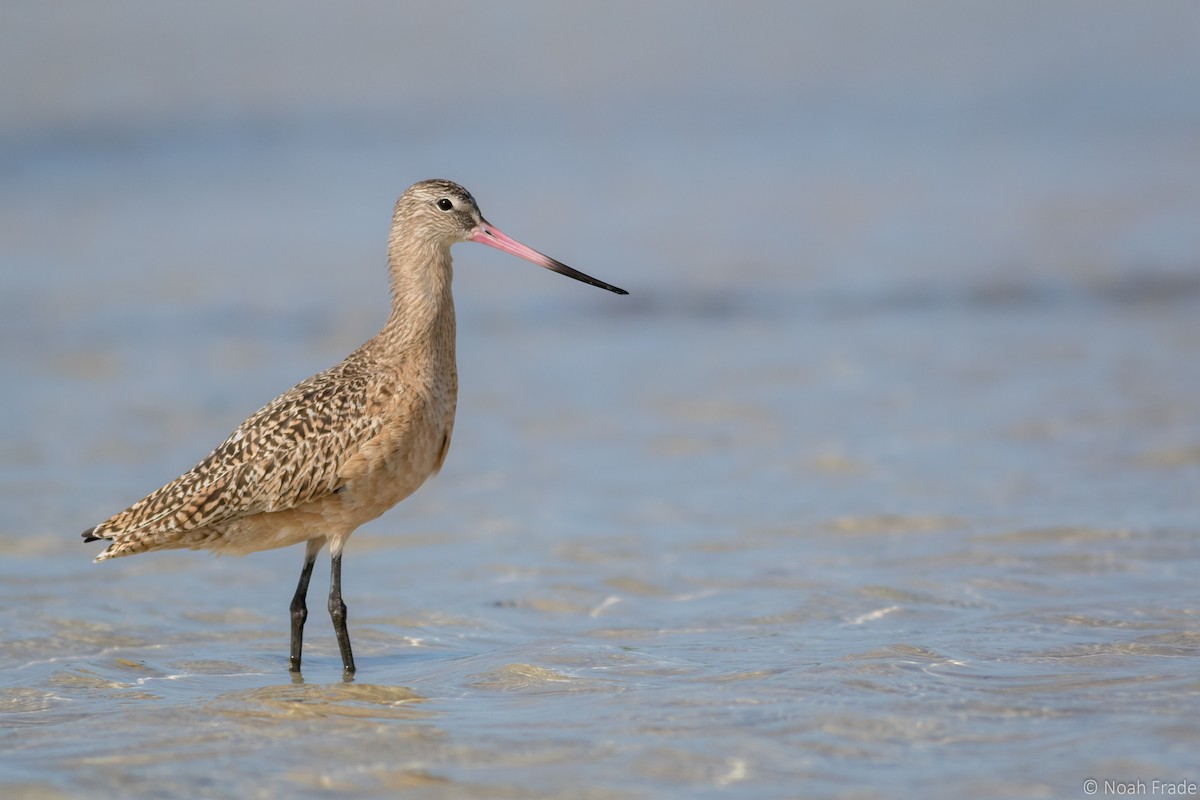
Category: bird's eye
<point>444,204</point>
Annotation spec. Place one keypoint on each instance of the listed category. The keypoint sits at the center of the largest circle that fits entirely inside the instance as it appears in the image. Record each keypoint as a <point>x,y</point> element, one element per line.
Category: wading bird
<point>347,444</point>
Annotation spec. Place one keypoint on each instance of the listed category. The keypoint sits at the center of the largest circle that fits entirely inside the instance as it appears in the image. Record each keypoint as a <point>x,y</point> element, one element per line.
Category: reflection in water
<point>303,700</point>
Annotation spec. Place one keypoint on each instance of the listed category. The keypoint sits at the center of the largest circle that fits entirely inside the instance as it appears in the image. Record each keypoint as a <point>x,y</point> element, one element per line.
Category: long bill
<point>486,234</point>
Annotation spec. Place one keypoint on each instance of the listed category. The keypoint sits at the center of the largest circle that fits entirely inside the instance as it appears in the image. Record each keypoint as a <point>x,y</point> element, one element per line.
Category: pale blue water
<point>882,482</point>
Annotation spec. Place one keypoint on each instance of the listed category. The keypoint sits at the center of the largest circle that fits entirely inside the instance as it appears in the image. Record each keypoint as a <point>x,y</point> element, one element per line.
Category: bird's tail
<point>90,535</point>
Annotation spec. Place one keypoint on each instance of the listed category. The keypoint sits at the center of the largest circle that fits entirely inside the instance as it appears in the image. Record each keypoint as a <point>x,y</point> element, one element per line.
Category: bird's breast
<point>410,447</point>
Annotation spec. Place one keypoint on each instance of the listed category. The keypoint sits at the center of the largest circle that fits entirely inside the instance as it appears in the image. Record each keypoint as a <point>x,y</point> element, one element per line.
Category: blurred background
<point>907,382</point>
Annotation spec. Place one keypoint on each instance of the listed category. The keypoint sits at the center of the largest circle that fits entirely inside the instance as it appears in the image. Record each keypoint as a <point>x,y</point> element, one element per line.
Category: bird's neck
<point>422,315</point>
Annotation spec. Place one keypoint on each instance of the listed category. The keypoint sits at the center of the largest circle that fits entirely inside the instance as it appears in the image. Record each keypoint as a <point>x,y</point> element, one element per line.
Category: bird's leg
<point>299,609</point>
<point>337,612</point>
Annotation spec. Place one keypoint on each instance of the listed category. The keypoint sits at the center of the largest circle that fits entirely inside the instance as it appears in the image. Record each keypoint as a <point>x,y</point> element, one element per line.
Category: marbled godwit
<point>347,444</point>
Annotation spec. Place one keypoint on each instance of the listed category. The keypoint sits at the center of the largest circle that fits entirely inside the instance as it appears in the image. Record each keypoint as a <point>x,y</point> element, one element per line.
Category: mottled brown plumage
<point>347,444</point>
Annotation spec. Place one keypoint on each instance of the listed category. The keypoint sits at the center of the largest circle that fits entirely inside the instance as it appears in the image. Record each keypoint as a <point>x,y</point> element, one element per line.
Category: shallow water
<point>881,482</point>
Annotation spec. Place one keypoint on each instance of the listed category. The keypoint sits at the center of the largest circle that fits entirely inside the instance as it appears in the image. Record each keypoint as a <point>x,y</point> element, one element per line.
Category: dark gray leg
<point>337,612</point>
<point>299,609</point>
